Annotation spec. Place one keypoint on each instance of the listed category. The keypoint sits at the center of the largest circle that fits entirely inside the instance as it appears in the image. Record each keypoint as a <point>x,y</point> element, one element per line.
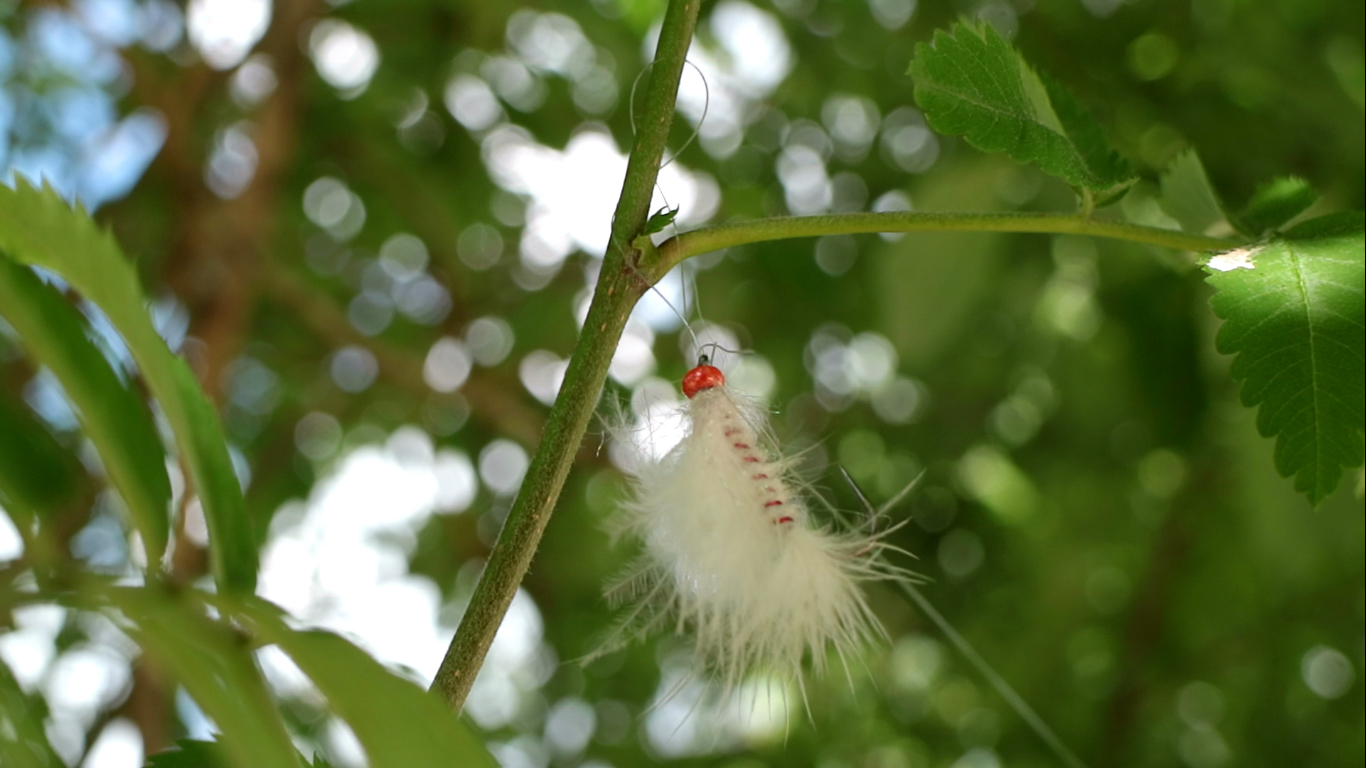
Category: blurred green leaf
<point>399,724</point>
<point>972,82</point>
<point>23,743</point>
<point>215,666</point>
<point>949,292</point>
<point>111,415</point>
<point>38,227</point>
<point>1188,196</point>
<point>1275,203</point>
<point>190,753</point>
<point>37,473</point>
<point>1293,316</point>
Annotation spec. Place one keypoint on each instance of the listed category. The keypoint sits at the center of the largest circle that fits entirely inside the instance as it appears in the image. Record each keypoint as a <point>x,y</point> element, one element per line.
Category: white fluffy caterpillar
<point>732,555</point>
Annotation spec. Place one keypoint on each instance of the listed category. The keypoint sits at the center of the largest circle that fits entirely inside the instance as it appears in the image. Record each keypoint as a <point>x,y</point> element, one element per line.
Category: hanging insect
<point>732,555</point>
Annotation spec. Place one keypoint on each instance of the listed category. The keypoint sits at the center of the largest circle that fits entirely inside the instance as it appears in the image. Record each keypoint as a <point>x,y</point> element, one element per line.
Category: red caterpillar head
<point>702,377</point>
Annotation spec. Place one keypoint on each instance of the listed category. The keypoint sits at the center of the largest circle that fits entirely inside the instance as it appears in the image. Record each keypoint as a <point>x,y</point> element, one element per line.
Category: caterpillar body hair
<point>731,555</point>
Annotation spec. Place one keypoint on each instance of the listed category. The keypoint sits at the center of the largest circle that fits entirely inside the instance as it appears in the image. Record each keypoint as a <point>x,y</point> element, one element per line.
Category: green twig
<point>619,286</point>
<point>676,249</point>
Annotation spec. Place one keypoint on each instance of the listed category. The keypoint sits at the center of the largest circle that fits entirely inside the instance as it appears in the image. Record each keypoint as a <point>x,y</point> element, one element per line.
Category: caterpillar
<point>733,557</point>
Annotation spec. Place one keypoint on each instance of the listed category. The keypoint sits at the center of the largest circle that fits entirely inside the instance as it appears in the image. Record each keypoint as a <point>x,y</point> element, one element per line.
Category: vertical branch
<point>618,288</point>
<point>221,245</point>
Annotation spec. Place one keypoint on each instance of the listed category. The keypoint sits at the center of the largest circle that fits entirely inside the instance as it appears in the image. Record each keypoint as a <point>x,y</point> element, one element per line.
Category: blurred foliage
<point>1099,513</point>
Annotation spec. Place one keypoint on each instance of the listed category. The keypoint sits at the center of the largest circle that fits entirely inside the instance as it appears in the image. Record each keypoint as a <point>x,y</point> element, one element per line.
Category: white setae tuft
<point>732,555</point>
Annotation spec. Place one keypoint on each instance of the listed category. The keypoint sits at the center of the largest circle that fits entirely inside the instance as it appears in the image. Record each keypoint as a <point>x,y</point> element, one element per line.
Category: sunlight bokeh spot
<point>457,483</point>
<point>224,31</point>
<point>1327,671</point>
<point>490,340</point>
<point>480,246</point>
<point>542,372</point>
<point>354,368</point>
<point>232,163</point>
<point>960,553</point>
<point>404,256</point>
<point>345,56</point>
<point>634,358</point>
<point>501,465</point>
<point>119,746</point>
<point>318,435</point>
<point>472,103</point>
<point>11,544</point>
<point>253,81</point>
<point>447,365</point>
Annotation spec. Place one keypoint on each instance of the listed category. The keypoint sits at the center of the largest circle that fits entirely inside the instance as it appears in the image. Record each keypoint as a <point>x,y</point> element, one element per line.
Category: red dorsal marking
<point>702,377</point>
<point>760,476</point>
<point>774,503</point>
<point>744,446</point>
<point>784,519</point>
<point>751,459</point>
<point>732,431</point>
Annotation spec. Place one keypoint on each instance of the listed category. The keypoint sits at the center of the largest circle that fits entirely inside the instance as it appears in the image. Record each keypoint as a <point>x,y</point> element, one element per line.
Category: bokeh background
<point>373,227</point>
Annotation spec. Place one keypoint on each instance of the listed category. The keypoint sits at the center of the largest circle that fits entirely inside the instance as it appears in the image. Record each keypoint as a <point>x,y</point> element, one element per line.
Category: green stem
<point>619,286</point>
<point>676,249</point>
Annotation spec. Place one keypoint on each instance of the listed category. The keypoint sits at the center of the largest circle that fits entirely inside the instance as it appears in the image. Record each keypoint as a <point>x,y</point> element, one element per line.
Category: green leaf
<point>114,418</point>
<point>661,219</point>
<point>23,742</point>
<point>1292,311</point>
<point>972,82</point>
<point>37,227</point>
<point>399,724</point>
<point>1275,203</point>
<point>1188,196</point>
<point>37,474</point>
<point>215,665</point>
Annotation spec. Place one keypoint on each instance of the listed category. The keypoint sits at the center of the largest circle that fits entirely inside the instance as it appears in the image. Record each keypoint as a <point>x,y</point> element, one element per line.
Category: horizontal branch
<point>676,249</point>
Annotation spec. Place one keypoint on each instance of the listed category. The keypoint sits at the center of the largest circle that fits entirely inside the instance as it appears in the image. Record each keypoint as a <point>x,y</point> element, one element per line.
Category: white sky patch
<point>340,560</point>
<point>759,54</point>
<point>542,372</point>
<point>114,159</point>
<point>573,192</point>
<point>119,746</point>
<point>472,103</point>
<point>1236,259</point>
<point>517,664</point>
<point>550,42</point>
<point>634,358</point>
<point>29,649</point>
<point>672,296</point>
<point>11,545</point>
<point>752,60</point>
<point>224,31</point>
<point>691,717</point>
<point>84,680</point>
